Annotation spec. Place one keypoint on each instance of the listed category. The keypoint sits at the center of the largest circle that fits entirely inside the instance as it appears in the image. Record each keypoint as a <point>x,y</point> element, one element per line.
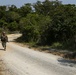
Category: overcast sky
<point>19,3</point>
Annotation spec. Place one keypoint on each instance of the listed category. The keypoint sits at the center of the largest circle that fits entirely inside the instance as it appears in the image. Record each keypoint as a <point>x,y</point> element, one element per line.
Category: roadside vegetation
<point>47,23</point>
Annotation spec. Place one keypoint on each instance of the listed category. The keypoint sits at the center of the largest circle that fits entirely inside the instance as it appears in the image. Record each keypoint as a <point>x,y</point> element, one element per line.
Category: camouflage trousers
<point>4,45</point>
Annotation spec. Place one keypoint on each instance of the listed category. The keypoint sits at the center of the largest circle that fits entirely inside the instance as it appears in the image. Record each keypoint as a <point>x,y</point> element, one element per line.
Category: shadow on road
<point>67,62</point>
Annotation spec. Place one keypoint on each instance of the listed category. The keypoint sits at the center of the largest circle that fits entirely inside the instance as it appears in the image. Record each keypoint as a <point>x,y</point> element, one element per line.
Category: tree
<point>2,11</point>
<point>25,9</point>
<point>12,8</point>
<point>47,7</point>
<point>33,27</point>
<point>12,16</point>
<point>13,26</point>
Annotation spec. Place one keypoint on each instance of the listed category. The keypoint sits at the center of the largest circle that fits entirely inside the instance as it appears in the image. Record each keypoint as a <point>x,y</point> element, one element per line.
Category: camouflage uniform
<point>4,39</point>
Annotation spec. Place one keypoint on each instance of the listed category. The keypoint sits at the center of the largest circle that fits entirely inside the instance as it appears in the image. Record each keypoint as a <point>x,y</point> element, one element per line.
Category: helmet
<point>3,32</point>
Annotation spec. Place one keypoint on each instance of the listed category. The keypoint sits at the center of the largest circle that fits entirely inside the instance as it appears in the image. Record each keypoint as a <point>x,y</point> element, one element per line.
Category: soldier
<point>4,39</point>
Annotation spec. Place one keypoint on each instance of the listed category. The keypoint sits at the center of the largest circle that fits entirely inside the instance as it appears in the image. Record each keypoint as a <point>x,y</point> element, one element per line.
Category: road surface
<point>20,60</point>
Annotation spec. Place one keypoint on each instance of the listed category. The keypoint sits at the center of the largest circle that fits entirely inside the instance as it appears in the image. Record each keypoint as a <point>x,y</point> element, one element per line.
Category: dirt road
<point>24,61</point>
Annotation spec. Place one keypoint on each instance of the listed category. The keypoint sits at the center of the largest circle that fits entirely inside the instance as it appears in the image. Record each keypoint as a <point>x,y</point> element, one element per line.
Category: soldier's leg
<point>4,45</point>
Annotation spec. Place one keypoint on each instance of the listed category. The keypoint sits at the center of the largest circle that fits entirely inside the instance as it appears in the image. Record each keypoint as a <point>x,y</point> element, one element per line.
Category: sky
<point>19,3</point>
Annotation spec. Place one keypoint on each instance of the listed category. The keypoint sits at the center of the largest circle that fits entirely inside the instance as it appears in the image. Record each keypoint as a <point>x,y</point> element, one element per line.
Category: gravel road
<point>24,61</point>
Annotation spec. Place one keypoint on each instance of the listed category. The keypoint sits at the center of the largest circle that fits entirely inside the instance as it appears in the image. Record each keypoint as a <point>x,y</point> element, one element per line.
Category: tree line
<point>43,23</point>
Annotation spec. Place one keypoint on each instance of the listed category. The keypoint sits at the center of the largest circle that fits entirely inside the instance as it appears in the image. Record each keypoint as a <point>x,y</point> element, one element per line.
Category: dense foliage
<point>42,22</point>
